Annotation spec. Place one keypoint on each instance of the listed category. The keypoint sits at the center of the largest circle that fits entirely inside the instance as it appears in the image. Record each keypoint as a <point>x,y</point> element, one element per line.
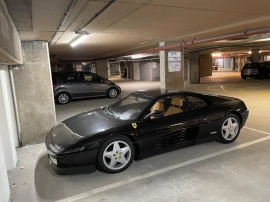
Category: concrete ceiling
<point>127,26</point>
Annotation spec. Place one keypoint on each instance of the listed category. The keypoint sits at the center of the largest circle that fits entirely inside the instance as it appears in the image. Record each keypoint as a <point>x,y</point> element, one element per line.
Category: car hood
<point>80,126</point>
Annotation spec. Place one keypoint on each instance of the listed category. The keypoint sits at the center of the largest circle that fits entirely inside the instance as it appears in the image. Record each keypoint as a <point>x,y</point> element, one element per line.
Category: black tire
<point>108,146</point>
<point>261,76</point>
<point>112,93</point>
<point>230,131</point>
<point>244,77</point>
<point>63,98</point>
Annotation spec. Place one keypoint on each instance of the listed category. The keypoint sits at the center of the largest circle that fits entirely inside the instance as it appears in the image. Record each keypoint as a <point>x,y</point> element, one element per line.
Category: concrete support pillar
<point>255,55</point>
<point>136,69</point>
<point>102,68</point>
<point>186,70</point>
<point>241,62</point>
<point>34,93</point>
<point>194,70</point>
<point>232,63</point>
<point>171,78</point>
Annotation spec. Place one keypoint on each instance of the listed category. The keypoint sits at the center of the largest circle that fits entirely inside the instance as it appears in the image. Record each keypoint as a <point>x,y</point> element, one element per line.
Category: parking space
<point>207,172</point>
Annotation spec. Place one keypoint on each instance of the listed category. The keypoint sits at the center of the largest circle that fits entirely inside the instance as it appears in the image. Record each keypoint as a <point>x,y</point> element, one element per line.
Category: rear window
<point>251,65</point>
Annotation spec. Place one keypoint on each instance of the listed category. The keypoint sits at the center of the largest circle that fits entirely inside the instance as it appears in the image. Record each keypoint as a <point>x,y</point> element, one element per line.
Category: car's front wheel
<point>230,129</point>
<point>63,98</point>
<point>115,154</point>
<point>112,93</point>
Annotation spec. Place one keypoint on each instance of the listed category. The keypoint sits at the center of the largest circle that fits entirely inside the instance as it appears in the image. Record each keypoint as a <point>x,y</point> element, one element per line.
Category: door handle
<point>69,83</point>
<point>102,85</point>
<point>205,119</point>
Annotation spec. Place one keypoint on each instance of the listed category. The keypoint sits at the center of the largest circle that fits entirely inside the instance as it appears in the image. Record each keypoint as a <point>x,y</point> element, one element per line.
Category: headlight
<point>53,160</point>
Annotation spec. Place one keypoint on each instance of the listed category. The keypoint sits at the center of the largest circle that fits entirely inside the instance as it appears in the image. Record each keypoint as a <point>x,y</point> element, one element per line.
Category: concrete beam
<point>10,44</point>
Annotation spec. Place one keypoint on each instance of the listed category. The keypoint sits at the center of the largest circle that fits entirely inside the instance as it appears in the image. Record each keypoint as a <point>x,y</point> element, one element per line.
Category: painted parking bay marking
<point>163,170</point>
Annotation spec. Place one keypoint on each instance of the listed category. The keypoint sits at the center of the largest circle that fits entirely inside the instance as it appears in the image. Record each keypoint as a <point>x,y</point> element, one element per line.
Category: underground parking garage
<point>137,46</point>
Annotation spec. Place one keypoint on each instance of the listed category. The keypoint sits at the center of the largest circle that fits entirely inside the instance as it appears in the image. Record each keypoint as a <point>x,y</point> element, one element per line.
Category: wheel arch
<point>237,114</point>
<point>132,139</point>
<point>112,87</point>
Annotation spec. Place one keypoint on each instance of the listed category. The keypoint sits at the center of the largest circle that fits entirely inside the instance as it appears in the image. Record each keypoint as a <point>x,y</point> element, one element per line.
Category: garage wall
<point>4,185</point>
<point>149,71</point>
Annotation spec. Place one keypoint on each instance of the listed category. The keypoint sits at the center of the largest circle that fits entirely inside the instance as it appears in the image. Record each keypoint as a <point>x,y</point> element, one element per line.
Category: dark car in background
<point>72,85</point>
<point>140,125</point>
<point>259,70</point>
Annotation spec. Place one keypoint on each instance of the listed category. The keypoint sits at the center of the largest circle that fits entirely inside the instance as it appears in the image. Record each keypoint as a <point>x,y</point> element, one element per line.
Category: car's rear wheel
<point>230,129</point>
<point>112,93</point>
<point>63,98</point>
<point>244,77</point>
<point>115,154</point>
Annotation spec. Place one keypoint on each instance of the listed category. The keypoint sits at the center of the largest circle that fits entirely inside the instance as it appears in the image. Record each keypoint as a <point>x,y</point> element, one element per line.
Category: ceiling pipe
<point>96,15</point>
<point>194,41</point>
<point>63,20</point>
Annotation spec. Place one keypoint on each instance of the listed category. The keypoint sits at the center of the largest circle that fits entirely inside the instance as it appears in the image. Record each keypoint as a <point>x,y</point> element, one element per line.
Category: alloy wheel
<point>63,98</point>
<point>117,155</point>
<point>113,93</point>
<point>230,128</point>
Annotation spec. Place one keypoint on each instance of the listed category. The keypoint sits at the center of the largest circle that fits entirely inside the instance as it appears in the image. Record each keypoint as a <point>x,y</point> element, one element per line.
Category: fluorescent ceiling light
<point>79,40</point>
<point>138,56</point>
<point>216,54</point>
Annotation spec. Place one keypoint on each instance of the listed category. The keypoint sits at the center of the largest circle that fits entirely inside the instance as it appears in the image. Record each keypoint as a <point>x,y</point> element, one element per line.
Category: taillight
<point>54,84</point>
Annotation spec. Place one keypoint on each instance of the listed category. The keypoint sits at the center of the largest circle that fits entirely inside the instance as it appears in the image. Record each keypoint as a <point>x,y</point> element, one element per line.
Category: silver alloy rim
<point>116,155</point>
<point>63,98</point>
<point>230,128</point>
<point>113,93</point>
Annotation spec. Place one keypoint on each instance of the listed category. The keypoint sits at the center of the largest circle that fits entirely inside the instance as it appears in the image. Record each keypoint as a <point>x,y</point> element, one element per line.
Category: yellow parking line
<point>264,94</point>
<point>243,92</point>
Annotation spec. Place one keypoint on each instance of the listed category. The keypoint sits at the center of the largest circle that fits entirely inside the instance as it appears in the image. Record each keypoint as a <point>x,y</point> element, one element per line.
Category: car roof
<point>159,92</point>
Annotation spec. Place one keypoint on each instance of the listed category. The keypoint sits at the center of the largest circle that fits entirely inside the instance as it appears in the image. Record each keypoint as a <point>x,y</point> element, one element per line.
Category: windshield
<point>128,108</point>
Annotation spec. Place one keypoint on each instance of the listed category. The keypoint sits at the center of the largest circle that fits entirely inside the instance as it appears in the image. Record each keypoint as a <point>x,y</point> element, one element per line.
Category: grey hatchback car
<point>73,85</point>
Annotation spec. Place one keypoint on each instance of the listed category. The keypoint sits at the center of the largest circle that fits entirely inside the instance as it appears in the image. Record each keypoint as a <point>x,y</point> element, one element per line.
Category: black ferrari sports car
<point>140,125</point>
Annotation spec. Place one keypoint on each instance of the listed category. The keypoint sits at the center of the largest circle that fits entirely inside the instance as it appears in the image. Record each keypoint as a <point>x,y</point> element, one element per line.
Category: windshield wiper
<point>111,112</point>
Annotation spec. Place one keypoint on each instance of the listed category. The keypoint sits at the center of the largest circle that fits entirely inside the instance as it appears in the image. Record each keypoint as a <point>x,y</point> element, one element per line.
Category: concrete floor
<point>208,172</point>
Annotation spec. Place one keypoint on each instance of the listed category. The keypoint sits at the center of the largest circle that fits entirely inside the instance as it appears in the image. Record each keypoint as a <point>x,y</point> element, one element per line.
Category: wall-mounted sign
<point>174,61</point>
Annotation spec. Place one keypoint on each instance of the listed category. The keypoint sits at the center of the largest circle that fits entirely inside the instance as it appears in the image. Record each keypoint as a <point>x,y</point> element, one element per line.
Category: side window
<point>175,105</point>
<point>71,77</point>
<point>88,77</point>
<point>196,103</point>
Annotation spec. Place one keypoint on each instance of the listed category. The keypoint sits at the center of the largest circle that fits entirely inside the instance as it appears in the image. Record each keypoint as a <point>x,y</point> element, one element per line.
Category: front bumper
<point>74,163</point>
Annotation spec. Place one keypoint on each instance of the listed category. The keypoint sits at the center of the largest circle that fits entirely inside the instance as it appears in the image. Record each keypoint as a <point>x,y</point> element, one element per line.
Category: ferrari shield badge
<point>134,125</point>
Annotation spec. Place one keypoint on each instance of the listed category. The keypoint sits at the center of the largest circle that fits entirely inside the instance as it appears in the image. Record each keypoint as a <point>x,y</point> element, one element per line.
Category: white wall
<point>7,119</point>
<point>4,185</point>
<point>136,69</point>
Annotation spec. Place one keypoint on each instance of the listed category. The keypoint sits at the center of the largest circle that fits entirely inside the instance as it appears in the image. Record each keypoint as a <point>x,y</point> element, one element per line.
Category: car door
<point>210,115</point>
<point>172,130</point>
<point>93,84</point>
<point>73,84</point>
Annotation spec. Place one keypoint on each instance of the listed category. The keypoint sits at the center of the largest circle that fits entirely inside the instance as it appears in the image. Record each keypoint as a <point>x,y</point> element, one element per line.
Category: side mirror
<point>155,114</point>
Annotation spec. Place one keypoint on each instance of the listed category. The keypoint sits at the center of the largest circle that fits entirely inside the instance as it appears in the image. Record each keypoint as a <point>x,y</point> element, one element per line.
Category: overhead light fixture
<point>83,36</point>
<point>216,54</point>
<point>249,52</point>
